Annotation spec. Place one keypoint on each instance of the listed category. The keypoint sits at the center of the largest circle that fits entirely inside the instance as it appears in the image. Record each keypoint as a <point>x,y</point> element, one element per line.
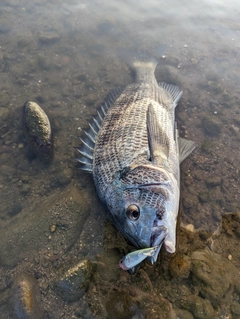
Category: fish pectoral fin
<point>185,148</point>
<point>158,141</point>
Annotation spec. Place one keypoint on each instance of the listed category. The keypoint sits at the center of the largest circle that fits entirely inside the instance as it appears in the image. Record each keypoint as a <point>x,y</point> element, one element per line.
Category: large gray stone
<point>29,231</point>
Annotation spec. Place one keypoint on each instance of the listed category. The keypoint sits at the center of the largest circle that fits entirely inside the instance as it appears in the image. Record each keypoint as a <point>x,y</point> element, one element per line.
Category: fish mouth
<point>157,238</point>
<point>158,235</point>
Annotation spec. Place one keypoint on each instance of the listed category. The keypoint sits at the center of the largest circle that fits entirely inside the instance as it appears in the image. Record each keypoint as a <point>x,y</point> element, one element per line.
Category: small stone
<point>214,181</point>
<point>180,266</point>
<point>26,299</point>
<point>25,189</point>
<point>53,228</point>
<point>190,228</point>
<point>200,308</point>
<point>49,37</point>
<point>73,284</point>
<point>64,176</point>
<point>4,99</point>
<point>235,308</point>
<point>203,197</point>
<point>213,275</point>
<point>4,114</point>
<point>211,126</point>
<point>229,257</point>
<point>38,132</point>
<point>118,305</point>
<point>183,314</point>
<point>20,146</point>
<point>208,146</point>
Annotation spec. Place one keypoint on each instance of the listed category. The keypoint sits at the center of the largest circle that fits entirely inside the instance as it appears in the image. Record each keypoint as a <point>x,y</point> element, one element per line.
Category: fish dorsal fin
<point>157,139</point>
<point>88,141</point>
<point>173,90</point>
<point>185,148</point>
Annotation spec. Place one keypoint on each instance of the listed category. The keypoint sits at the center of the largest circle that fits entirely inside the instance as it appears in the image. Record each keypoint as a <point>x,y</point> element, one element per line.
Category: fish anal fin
<point>185,148</point>
<point>173,90</point>
<point>157,139</point>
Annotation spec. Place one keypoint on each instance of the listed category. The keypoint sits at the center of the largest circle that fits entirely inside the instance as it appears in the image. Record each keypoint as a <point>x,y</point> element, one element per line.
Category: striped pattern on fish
<point>133,151</point>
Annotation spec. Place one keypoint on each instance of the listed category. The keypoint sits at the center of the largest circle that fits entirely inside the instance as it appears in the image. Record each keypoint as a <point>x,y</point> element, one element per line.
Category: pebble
<point>64,176</point>
<point>26,300</point>
<point>179,266</point>
<point>4,114</point>
<point>200,308</point>
<point>38,132</point>
<point>183,314</point>
<point>214,275</point>
<point>49,37</point>
<point>190,228</point>
<point>53,228</point>
<point>75,281</point>
<point>235,309</point>
<point>211,126</point>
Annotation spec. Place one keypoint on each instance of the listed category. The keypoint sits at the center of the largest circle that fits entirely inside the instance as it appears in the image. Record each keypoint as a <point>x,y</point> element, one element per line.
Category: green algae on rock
<point>26,300</point>
<point>38,131</point>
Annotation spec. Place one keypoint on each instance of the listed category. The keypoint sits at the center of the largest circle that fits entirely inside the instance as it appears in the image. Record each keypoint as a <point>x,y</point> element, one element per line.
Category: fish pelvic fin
<point>185,148</point>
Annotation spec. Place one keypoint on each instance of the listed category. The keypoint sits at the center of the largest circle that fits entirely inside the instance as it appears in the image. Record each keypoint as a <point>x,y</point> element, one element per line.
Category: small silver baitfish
<point>133,151</point>
<point>136,257</point>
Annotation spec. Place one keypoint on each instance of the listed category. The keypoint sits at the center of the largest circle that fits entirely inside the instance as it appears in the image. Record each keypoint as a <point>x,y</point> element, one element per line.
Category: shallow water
<point>67,57</point>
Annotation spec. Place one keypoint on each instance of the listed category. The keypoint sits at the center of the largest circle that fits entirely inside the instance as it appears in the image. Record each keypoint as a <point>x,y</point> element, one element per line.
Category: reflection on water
<point>65,56</point>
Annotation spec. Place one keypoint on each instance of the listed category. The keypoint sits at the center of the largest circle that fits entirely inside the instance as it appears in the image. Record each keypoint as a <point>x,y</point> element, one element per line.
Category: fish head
<point>143,206</point>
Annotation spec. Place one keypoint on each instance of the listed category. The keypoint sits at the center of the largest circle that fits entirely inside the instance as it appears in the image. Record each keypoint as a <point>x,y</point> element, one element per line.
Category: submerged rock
<point>200,308</point>
<point>26,300</point>
<point>72,285</point>
<point>49,37</point>
<point>4,114</point>
<point>213,275</point>
<point>180,266</point>
<point>25,233</point>
<point>211,126</point>
<point>183,314</point>
<point>119,306</point>
<point>38,131</point>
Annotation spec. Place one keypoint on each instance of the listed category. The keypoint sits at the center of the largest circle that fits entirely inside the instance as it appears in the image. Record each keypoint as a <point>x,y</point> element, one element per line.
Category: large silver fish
<point>133,150</point>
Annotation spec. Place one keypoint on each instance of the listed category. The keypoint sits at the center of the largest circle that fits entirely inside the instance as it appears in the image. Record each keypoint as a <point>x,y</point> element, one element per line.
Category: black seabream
<point>133,151</point>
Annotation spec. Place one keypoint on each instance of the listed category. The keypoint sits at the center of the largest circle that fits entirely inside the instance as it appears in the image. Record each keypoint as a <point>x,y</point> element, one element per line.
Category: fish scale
<point>134,153</point>
<point>128,144</point>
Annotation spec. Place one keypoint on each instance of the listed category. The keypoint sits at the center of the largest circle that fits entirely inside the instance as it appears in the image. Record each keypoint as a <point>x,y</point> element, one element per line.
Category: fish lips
<point>157,238</point>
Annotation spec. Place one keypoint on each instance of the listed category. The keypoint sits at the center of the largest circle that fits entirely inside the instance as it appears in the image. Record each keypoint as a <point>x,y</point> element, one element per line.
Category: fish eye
<point>133,212</point>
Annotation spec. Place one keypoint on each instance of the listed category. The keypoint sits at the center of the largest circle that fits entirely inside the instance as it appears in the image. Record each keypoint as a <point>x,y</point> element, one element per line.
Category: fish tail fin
<point>143,64</point>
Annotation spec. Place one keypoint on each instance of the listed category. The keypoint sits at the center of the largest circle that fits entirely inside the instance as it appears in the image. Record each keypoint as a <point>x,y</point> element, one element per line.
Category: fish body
<point>133,151</point>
